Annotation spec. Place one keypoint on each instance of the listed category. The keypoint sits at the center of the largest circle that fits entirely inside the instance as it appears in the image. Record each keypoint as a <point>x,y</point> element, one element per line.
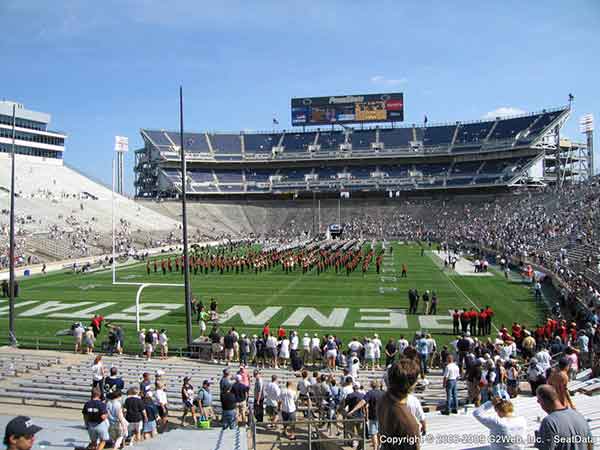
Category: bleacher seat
<point>362,139</point>
<point>193,142</point>
<point>226,143</point>
<point>298,142</point>
<point>260,143</point>
<point>395,137</point>
<point>438,135</point>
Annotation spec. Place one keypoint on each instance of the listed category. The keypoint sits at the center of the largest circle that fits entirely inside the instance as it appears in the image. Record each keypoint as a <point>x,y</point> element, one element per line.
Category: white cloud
<point>381,80</point>
<point>503,111</point>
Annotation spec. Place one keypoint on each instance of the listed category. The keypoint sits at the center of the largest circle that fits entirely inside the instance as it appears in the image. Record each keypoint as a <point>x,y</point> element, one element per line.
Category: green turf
<point>512,301</point>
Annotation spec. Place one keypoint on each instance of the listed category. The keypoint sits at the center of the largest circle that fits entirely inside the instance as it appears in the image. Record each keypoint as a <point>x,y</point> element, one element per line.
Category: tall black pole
<point>186,268</point>
<point>11,253</point>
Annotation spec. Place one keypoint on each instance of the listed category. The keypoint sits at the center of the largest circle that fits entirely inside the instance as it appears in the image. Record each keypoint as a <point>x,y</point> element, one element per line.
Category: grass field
<point>346,306</point>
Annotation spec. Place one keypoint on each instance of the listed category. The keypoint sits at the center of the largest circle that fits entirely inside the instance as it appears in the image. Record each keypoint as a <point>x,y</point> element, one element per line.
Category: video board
<point>348,109</point>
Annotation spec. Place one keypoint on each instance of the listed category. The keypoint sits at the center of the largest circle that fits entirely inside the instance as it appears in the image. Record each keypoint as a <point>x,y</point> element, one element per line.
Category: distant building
<point>33,138</point>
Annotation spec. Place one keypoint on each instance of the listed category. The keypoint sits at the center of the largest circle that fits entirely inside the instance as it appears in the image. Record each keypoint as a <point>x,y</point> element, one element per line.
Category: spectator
<point>390,352</point>
<point>287,400</point>
<point>150,428</point>
<point>536,375</point>
<point>163,343</point>
<point>271,396</point>
<point>369,402</point>
<point>78,332</point>
<point>394,417</point>
<point>507,431</point>
<point>228,404</point>
<point>20,433</point>
<point>561,424</point>
<point>98,374</point>
<point>95,417</point>
<point>204,401</point>
<point>162,403</point>
<point>350,406</point>
<point>89,340</point>
<point>145,385</point>
<point>559,379</point>
<point>117,425</point>
<point>113,383</point>
<point>135,414</point>
<point>451,376</point>
<point>240,391</point>
<point>187,397</point>
<point>258,396</point>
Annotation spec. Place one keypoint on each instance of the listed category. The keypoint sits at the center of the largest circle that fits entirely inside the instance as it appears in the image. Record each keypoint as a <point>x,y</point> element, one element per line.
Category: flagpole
<point>186,269</point>
<point>11,252</point>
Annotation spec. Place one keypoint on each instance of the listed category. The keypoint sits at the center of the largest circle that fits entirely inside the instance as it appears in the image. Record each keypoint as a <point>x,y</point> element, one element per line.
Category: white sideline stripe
<point>463,293</point>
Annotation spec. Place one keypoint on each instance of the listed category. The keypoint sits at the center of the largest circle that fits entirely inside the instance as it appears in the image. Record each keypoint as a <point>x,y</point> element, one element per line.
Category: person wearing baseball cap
<point>20,433</point>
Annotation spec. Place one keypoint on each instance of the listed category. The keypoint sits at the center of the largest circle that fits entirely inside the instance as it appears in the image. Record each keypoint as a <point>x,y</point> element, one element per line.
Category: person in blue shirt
<point>95,416</point>
<point>423,352</point>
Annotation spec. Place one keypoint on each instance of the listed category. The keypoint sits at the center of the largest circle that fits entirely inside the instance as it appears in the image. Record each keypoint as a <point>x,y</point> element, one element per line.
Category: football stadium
<point>352,278</point>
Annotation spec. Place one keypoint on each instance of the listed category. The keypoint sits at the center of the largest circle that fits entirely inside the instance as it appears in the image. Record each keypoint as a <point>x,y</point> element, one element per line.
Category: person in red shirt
<point>517,333</point>
<point>562,332</point>
<point>97,324</point>
<point>456,322</point>
<point>266,330</point>
<point>464,320</point>
<point>540,335</point>
<point>489,313</point>
<point>281,332</point>
<point>481,319</point>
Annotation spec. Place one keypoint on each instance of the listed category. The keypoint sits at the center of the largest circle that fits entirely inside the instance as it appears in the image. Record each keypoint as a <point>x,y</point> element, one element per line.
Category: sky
<point>111,67</point>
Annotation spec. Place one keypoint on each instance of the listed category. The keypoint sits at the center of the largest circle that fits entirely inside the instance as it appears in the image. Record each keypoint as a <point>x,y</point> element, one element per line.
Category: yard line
<point>457,287</point>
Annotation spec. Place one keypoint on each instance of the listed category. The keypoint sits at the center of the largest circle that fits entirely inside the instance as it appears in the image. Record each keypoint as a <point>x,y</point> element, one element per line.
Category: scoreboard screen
<point>348,109</point>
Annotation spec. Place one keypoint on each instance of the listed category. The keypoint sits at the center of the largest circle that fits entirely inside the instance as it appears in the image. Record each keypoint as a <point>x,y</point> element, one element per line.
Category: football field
<point>343,305</point>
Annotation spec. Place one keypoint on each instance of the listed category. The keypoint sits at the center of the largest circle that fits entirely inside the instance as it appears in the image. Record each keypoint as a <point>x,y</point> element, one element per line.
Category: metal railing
<point>313,426</point>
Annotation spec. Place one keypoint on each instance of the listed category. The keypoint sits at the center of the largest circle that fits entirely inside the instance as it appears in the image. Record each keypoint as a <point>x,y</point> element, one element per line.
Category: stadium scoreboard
<point>348,109</point>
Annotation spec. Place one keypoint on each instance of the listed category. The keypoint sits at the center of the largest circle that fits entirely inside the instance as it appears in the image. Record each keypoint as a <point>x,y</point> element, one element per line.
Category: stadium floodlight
<point>586,123</point>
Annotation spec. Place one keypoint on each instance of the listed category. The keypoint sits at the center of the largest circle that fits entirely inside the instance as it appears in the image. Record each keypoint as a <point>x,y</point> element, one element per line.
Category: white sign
<point>121,144</point>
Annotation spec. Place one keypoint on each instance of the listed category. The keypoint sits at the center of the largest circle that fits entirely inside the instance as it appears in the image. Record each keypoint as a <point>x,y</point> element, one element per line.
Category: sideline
<point>457,287</point>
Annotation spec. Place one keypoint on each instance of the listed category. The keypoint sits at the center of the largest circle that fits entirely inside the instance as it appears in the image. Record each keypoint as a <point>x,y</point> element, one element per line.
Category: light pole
<point>12,338</point>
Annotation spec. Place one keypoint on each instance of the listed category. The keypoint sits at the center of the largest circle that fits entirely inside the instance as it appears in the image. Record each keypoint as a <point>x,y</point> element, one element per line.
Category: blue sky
<point>111,67</point>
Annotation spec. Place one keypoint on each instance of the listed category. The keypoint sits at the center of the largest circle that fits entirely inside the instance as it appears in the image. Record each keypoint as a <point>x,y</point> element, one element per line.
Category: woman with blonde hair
<point>507,431</point>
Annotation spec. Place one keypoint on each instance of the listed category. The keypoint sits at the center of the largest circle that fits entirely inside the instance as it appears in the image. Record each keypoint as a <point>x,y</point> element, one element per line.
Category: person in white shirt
<point>353,366</point>
<point>431,349</point>
<point>507,350</point>
<point>414,404</point>
<point>543,359</point>
<point>315,346</point>
<point>294,342</point>
<point>284,352</point>
<point>378,345</point>
<point>354,346</point>
<point>306,348</point>
<point>78,336</point>
<point>162,402</point>
<point>451,376</point>
<point>369,355</point>
<point>507,431</point>
<point>271,393</point>
<point>287,400</point>
<point>271,346</point>
<point>163,343</point>
<point>402,345</point>
<point>142,340</point>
